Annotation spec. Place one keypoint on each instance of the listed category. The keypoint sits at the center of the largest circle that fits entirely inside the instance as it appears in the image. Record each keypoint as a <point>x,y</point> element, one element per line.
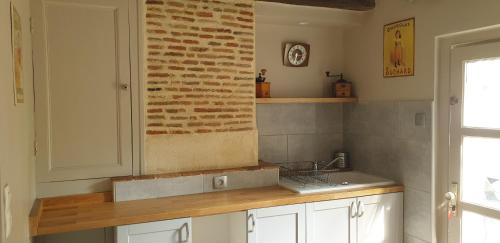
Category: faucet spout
<point>332,162</point>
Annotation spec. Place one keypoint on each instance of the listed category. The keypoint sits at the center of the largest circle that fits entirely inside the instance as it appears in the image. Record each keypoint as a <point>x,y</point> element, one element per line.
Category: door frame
<point>444,44</point>
<point>136,85</point>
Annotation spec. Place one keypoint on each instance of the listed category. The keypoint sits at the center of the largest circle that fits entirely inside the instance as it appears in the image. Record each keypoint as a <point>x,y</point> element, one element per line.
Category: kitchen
<point>160,137</point>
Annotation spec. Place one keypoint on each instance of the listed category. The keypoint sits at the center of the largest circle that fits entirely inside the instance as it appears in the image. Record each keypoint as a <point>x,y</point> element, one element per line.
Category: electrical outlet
<point>7,197</point>
<point>220,182</point>
<point>419,119</point>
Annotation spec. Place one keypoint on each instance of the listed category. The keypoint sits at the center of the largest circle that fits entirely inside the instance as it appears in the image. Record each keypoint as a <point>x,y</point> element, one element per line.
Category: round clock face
<point>297,55</point>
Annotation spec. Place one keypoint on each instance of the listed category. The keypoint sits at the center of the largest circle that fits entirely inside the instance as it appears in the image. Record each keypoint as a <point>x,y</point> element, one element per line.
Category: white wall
<point>327,54</point>
<point>16,124</point>
<point>363,60</point>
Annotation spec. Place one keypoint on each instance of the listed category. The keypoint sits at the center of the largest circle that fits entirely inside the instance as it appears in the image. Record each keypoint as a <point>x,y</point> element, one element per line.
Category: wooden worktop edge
<point>249,200</point>
<point>35,214</point>
<point>79,199</point>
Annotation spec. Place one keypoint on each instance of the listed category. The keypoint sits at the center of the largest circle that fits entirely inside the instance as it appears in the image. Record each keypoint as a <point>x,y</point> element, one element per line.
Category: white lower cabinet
<point>331,221</point>
<point>169,231</point>
<point>370,219</point>
<point>380,218</point>
<point>283,224</point>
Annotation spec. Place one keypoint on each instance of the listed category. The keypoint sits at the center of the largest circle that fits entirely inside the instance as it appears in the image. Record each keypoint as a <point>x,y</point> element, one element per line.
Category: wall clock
<point>296,54</point>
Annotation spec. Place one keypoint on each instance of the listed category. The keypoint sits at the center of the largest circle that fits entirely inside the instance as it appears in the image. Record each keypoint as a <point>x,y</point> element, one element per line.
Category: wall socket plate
<point>220,182</point>
<point>419,119</point>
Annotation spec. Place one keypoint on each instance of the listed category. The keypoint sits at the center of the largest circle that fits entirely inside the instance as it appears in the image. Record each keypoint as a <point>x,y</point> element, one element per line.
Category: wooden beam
<point>359,5</point>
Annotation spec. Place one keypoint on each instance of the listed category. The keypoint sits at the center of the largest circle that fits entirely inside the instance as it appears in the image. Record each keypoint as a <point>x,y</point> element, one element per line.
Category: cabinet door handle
<point>354,211</point>
<point>251,217</point>
<point>124,86</point>
<point>361,209</point>
<point>186,225</point>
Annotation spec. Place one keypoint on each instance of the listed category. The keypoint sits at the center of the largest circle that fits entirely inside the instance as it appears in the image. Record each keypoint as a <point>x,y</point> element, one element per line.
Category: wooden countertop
<point>91,211</point>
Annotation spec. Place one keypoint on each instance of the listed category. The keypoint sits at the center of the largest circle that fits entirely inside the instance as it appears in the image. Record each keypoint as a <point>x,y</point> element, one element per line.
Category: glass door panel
<point>477,228</point>
<point>482,93</point>
<point>481,171</point>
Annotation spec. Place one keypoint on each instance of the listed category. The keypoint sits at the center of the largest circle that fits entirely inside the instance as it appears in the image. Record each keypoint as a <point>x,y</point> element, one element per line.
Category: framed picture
<point>399,48</point>
<point>17,54</point>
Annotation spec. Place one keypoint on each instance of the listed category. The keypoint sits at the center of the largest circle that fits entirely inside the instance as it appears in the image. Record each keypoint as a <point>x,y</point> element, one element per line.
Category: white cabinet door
<point>283,224</point>
<point>81,56</point>
<point>331,221</point>
<point>169,231</point>
<point>380,218</point>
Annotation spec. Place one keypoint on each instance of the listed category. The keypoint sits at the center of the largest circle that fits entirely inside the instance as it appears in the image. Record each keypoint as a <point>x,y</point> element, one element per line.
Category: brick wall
<point>199,66</point>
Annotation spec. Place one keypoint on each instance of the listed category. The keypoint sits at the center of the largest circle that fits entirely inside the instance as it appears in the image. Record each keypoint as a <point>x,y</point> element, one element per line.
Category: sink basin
<point>333,181</point>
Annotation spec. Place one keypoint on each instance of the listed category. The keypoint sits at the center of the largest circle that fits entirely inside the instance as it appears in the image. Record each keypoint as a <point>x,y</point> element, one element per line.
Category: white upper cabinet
<point>82,89</point>
<point>169,231</point>
<point>283,224</point>
<point>331,221</point>
<point>380,218</point>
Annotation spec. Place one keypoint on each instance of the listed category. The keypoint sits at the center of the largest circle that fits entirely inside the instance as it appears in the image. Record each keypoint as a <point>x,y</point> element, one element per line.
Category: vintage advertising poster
<point>17,54</point>
<point>399,48</point>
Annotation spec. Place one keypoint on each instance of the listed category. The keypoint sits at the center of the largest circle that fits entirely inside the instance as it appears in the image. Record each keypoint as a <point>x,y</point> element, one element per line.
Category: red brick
<point>204,14</point>
<point>191,41</point>
<point>200,60</point>
<point>151,132</point>
<point>154,110</point>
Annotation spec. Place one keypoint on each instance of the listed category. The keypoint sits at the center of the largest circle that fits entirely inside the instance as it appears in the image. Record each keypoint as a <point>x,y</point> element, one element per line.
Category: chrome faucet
<point>316,164</point>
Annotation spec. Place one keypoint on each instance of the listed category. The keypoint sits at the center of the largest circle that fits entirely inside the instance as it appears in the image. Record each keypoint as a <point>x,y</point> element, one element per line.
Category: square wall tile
<point>134,190</point>
<point>327,144</point>
<point>167,187</point>
<point>417,213</point>
<point>280,119</point>
<point>156,188</point>
<point>407,112</point>
<point>329,118</point>
<point>273,148</point>
<point>301,147</point>
<point>376,118</point>
<point>415,158</point>
<point>243,179</point>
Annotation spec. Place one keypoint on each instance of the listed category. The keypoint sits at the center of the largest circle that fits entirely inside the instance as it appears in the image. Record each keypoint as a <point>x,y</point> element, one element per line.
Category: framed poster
<point>17,54</point>
<point>399,48</point>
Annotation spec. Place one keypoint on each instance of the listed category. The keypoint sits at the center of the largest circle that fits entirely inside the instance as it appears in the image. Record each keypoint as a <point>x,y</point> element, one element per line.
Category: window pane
<point>481,171</point>
<point>477,228</point>
<point>482,93</point>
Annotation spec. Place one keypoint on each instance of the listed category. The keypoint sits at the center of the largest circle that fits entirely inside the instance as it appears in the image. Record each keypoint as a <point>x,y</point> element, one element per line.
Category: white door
<point>82,79</point>
<point>380,218</point>
<point>331,221</point>
<point>169,231</point>
<point>283,224</point>
<point>474,176</point>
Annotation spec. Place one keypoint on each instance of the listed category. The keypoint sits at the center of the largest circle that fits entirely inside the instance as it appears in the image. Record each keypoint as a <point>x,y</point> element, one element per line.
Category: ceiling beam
<point>359,5</point>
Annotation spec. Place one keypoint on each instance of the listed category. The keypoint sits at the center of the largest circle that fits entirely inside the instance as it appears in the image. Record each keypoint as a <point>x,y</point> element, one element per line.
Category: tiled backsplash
<point>384,140</point>
<point>156,187</point>
<point>381,137</point>
<point>299,132</point>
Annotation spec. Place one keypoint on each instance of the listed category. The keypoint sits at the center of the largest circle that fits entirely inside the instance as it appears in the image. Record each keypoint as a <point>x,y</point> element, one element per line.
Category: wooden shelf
<point>304,100</point>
